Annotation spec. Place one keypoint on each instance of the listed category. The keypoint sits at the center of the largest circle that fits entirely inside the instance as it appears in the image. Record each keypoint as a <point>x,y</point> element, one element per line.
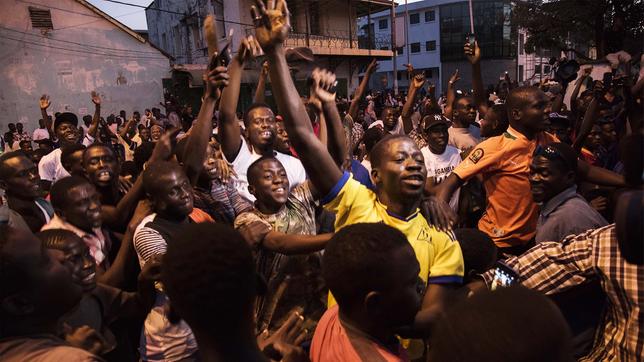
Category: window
<point>414,18</point>
<point>430,16</point>
<point>40,18</point>
<point>164,42</point>
<point>196,36</point>
<point>537,69</point>
<point>496,36</point>
<point>415,47</point>
<point>546,69</point>
<point>521,43</point>
<point>399,74</point>
<point>383,24</point>
<point>399,50</point>
<point>520,73</point>
<point>430,46</point>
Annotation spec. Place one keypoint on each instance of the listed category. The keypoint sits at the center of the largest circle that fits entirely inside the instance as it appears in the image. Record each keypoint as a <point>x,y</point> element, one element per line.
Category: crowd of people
<point>484,224</point>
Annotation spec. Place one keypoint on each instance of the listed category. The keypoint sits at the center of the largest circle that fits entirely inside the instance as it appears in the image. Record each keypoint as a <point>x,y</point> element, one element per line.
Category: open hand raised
<point>96,99</point>
<point>272,22</point>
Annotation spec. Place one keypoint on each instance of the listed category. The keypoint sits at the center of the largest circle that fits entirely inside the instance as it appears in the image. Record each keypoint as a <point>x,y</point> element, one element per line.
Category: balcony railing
<point>332,39</point>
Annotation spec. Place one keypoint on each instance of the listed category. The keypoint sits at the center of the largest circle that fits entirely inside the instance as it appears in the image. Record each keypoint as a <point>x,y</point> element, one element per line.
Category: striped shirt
<point>160,339</point>
<point>552,267</point>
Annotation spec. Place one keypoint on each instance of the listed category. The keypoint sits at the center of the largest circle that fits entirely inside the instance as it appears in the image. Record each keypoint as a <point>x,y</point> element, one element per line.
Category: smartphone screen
<point>504,276</point>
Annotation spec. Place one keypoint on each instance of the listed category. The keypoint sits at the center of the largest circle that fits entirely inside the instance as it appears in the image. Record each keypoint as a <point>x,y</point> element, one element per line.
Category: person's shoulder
<point>42,348</point>
<point>288,161</point>
<point>51,156</point>
<point>142,226</point>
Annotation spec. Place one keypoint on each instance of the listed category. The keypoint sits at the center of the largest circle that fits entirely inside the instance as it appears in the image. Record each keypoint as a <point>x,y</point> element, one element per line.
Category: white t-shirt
<point>50,168</point>
<point>40,134</point>
<point>441,166</point>
<point>294,169</point>
<point>463,138</point>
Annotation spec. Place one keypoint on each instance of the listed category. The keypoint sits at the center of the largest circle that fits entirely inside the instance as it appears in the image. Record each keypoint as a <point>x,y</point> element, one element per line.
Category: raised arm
<point>261,84</point>
<point>44,104</point>
<point>229,124</point>
<point>290,244</point>
<point>125,261</point>
<point>93,128</point>
<point>415,84</point>
<point>271,28</point>
<point>324,89</point>
<point>473,55</point>
<point>357,97</point>
<point>592,112</point>
<point>451,94</point>
<point>197,141</point>
<point>575,91</point>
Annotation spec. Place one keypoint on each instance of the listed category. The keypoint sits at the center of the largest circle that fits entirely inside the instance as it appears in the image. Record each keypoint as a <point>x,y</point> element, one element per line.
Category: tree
<point>560,24</point>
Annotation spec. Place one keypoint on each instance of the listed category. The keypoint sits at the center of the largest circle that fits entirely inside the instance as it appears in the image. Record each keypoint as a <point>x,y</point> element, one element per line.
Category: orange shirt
<point>333,341</point>
<point>510,218</point>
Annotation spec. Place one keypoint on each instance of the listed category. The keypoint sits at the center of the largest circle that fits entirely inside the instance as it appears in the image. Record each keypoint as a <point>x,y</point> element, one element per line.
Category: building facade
<point>327,27</point>
<point>68,48</point>
<point>432,36</point>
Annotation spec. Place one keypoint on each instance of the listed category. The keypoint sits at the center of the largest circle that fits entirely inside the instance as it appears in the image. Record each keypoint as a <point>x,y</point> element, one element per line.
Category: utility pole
<point>407,36</point>
<point>393,45</point>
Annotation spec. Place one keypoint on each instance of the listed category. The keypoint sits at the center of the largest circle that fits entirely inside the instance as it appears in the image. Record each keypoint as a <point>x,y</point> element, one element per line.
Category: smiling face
<point>82,207</point>
<point>401,171</point>
<point>260,127</point>
<point>67,133</point>
<point>22,179</point>
<point>101,166</point>
<point>47,288</point>
<point>268,182</point>
<point>75,256</point>
<point>173,196</point>
<point>282,143</point>
<point>155,133</point>
<point>388,118</point>
<point>547,179</point>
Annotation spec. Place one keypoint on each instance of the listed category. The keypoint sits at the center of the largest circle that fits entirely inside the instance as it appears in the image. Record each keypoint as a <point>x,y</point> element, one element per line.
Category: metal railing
<point>332,39</point>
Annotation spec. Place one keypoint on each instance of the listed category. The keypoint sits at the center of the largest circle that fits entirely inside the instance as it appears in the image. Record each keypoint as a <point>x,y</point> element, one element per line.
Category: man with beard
<point>50,167</point>
<point>19,178</point>
<point>260,125</point>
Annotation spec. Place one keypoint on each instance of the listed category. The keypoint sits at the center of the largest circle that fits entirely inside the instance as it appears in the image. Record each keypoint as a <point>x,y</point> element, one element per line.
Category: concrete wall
<point>126,72</point>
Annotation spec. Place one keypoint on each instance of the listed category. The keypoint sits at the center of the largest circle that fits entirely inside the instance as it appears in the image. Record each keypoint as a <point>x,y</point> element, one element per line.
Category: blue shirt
<point>568,213</point>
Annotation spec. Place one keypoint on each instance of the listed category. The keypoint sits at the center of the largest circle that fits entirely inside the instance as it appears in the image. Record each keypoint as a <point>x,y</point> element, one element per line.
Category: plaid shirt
<point>552,267</point>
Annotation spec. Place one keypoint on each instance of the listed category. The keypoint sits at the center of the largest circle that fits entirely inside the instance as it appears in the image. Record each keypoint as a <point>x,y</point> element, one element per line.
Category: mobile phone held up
<point>471,39</point>
<point>223,58</point>
<point>504,276</point>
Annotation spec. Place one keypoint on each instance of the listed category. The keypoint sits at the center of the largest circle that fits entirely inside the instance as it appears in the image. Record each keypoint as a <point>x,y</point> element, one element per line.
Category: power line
<point>81,50</point>
<point>82,44</point>
<point>175,12</point>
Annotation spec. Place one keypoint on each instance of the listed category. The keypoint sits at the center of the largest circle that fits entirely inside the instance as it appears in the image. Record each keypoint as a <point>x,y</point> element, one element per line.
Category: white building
<point>68,48</point>
<point>419,47</point>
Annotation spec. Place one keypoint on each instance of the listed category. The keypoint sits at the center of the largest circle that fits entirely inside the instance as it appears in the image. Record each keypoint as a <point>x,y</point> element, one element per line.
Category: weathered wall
<point>83,52</point>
